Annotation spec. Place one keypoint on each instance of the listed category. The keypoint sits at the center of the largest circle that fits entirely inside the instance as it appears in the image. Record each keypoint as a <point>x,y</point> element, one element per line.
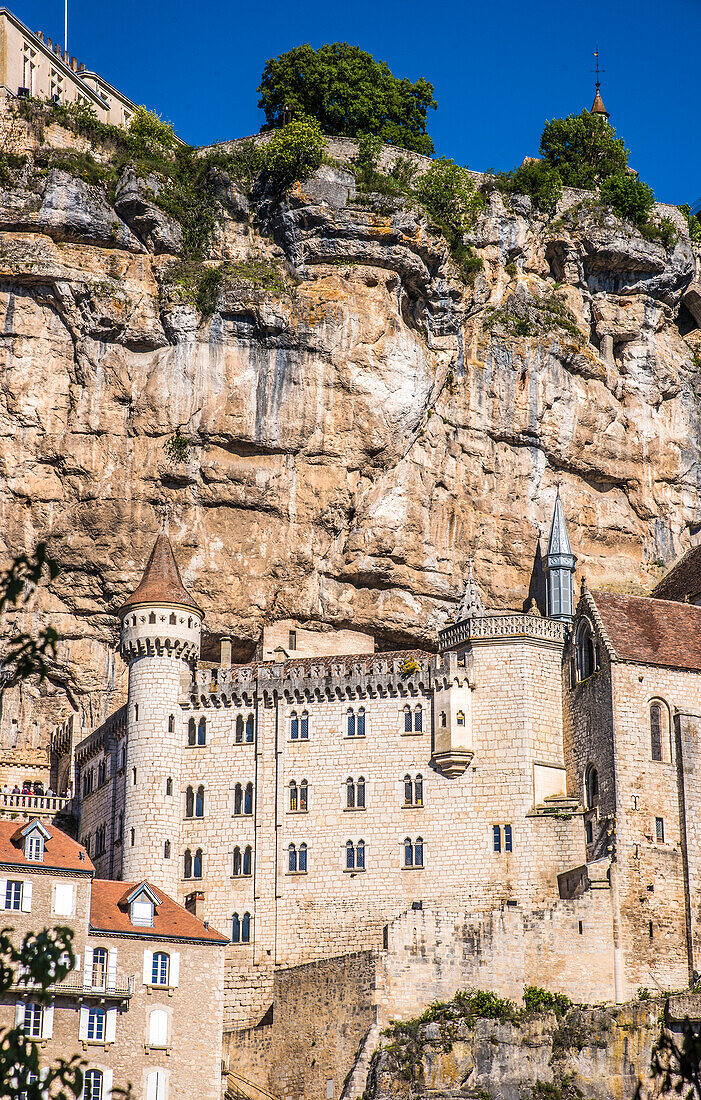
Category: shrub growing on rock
<point>295,151</point>
<point>629,197</point>
<point>448,194</point>
<point>584,149</point>
<point>146,128</point>
<point>535,178</point>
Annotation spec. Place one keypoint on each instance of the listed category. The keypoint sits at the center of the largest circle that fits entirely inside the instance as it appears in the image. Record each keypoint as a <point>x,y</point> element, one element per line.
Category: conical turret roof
<point>597,107</point>
<point>161,581</point>
<point>559,540</point>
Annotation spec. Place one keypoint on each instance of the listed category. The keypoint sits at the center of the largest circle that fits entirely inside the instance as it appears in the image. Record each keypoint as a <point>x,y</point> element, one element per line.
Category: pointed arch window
<point>418,718</point>
<point>199,802</point>
<point>355,855</point>
<point>247,860</point>
<point>660,743</point>
<point>166,849</point>
<point>248,799</point>
<point>304,726</point>
<point>294,796</point>
<point>238,799</point>
<point>408,724</point>
<point>460,718</point>
<point>303,795</point>
<point>297,858</point>
<point>187,864</point>
<point>236,928</point>
<point>246,928</point>
<point>586,652</point>
<point>192,732</point>
<point>591,781</point>
<point>239,729</point>
<point>250,729</point>
<point>197,864</point>
<point>350,794</point>
<point>202,731</point>
<point>294,726</point>
<point>241,928</point>
<point>189,802</point>
<point>350,722</point>
<point>413,852</point>
<point>237,862</point>
<point>413,790</point>
<point>169,786</point>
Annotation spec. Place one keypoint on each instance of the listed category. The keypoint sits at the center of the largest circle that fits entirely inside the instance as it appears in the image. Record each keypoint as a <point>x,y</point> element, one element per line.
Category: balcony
<point>511,625</point>
<point>120,988</point>
<point>34,805</point>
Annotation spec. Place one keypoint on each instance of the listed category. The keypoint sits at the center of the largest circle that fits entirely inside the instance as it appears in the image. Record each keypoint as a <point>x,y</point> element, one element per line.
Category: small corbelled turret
<point>471,605</point>
<point>559,567</point>
<point>161,616</point>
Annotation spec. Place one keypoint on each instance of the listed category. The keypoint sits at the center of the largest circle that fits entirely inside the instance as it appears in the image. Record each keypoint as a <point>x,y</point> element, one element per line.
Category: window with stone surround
<point>243,861</point>
<point>299,802</point>
<point>297,859</point>
<point>659,830</point>
<point>413,852</point>
<point>29,66</point>
<point>93,1085</point>
<point>202,731</point>
<point>33,1019</point>
<point>187,864</point>
<point>250,730</point>
<point>502,838</point>
<point>56,87</point>
<point>355,793</point>
<point>171,723</point>
<point>355,722</point>
<point>199,802</point>
<point>160,968</point>
<point>241,928</point>
<point>96,1025</point>
<point>189,802</point>
<point>192,732</point>
<point>355,855</point>
<point>586,651</point>
<point>169,786</point>
<point>660,743</point>
<point>413,790</point>
<point>158,1029</point>
<point>197,864</point>
<point>591,786</point>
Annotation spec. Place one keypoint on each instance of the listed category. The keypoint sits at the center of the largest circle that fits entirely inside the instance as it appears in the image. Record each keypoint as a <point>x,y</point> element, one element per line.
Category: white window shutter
<point>107,1076</point>
<point>87,970</point>
<point>158,1028</point>
<point>3,892</point>
<point>111,1025</point>
<point>148,967</point>
<point>19,1013</point>
<point>112,968</point>
<point>76,965</point>
<point>26,896</point>
<point>156,1085</point>
<point>47,1025</point>
<point>83,1028</point>
<point>174,978</point>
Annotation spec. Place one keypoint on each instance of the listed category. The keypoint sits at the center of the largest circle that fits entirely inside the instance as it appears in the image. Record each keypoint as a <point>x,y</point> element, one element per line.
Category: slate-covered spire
<point>559,567</point>
<point>471,604</point>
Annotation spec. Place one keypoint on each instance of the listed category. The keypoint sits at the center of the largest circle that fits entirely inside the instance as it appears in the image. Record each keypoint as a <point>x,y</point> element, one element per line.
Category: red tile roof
<point>161,581</point>
<point>653,632</point>
<point>60,850</point>
<point>683,580</point>
<point>109,912</point>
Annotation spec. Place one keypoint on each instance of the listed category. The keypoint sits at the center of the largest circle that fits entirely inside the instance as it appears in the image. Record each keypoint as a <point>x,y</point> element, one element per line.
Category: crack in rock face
<point>361,422</point>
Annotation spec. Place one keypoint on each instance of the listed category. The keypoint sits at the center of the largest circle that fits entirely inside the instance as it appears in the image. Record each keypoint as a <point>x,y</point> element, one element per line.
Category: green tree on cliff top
<point>584,149</point>
<point>349,93</point>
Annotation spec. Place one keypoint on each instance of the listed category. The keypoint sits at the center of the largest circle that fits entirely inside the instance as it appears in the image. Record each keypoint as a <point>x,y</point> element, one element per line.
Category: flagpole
<point>65,27</point>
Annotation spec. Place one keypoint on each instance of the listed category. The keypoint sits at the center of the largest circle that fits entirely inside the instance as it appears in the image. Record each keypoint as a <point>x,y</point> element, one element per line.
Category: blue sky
<point>499,68</point>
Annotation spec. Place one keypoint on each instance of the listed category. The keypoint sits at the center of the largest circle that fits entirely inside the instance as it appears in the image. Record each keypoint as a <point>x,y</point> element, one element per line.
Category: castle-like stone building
<point>522,804</point>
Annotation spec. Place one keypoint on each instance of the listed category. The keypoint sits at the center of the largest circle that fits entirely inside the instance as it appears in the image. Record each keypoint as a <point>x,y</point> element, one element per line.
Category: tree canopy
<point>584,149</point>
<point>349,93</point>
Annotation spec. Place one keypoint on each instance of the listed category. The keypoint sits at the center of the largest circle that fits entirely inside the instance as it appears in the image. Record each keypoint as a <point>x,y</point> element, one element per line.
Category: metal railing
<point>122,986</point>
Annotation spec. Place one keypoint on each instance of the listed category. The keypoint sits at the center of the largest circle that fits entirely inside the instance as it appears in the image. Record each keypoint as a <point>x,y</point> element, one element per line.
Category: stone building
<point>31,65</point>
<point>143,1005</point>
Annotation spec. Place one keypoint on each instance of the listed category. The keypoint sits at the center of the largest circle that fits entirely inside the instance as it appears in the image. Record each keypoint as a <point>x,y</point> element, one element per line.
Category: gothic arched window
<point>202,731</point>
<point>660,745</point>
<point>237,861</point>
<point>199,802</point>
<point>192,732</point>
<point>197,864</point>
<point>591,781</point>
<point>239,729</point>
<point>187,864</point>
<point>586,654</point>
<point>294,800</point>
<point>350,722</point>
<point>250,728</point>
<point>360,729</point>
<point>247,860</point>
<point>246,928</point>
<point>418,718</point>
<point>407,719</point>
<point>350,794</point>
<point>238,799</point>
<point>166,850</point>
<point>303,792</point>
<point>304,726</point>
<point>189,802</point>
<point>248,799</point>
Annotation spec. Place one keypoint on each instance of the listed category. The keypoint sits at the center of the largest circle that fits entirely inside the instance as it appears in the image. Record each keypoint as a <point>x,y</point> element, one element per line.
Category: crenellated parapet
<point>492,628</point>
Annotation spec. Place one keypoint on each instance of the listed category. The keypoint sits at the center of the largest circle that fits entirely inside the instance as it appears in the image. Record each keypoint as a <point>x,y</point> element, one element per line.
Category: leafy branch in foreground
<point>25,655</point>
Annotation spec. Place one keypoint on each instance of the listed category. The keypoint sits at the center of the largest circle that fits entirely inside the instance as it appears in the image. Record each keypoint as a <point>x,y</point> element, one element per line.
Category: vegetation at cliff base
<point>349,93</point>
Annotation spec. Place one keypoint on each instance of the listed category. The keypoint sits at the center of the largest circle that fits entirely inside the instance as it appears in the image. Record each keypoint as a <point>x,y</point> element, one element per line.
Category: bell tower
<point>559,568</point>
<point>160,639</point>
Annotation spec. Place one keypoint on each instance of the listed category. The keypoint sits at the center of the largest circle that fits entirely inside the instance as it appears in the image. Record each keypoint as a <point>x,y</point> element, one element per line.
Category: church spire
<point>597,107</point>
<point>161,583</point>
<point>559,567</point>
<point>471,603</point>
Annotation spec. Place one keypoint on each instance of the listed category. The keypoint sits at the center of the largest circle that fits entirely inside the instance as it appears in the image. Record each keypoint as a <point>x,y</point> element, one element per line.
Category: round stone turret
<point>161,618</point>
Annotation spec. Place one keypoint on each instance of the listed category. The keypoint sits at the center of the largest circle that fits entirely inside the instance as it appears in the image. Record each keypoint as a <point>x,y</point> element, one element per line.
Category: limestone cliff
<point>361,421</point>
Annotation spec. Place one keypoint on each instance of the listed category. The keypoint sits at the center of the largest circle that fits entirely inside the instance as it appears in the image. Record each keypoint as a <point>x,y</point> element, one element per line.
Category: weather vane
<point>598,71</point>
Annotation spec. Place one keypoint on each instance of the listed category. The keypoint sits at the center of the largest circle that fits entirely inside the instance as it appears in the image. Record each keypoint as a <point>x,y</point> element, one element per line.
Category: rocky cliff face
<point>361,421</point>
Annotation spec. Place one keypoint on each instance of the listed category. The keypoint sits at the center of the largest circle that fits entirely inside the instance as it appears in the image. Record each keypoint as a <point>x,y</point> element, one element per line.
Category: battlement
<point>403,673</point>
<point>510,625</point>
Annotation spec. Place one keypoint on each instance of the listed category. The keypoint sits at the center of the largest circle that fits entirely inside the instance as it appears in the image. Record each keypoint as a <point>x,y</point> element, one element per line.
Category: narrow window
<point>581,927</point>
<point>192,732</point>
<point>239,729</point>
<point>443,718</point>
<point>592,787</point>
<point>497,838</point>
<point>158,1028</point>
<point>238,799</point>
<point>292,858</point>
<point>152,617</point>
<point>304,726</point>
<point>169,786</point>
<point>199,802</point>
<point>120,826</point>
<point>133,777</point>
<point>92,1085</point>
<point>350,719</point>
<point>171,723</point>
<point>350,855</point>
<point>656,731</point>
<point>249,729</point>
<point>187,864</point>
<point>507,839</point>
<point>96,1025</point>
<point>360,856</point>
<point>418,719</point>
<point>292,640</point>
<point>202,731</point>
<point>407,719</point>
<point>294,726</point>
<point>136,712</point>
<point>293,795</point>
<point>189,802</point>
<point>360,794</point>
<point>166,850</point>
<point>589,832</point>
<point>303,800</point>
<point>133,837</point>
<point>248,799</point>
<point>99,968</point>
<point>659,830</point>
<point>160,968</point>
<point>302,857</point>
<point>408,790</point>
<point>236,929</point>
<point>360,729</point>
<point>246,928</point>
<point>173,619</point>
<point>460,718</point>
<point>237,861</point>
<point>419,791</point>
<point>247,860</point>
<point>33,1020</point>
<point>408,853</point>
<point>573,672</point>
<point>350,794</point>
<point>197,864</point>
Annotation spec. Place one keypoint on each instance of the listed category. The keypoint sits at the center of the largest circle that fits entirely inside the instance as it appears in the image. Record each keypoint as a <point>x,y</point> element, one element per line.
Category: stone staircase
<point>356,1081</point>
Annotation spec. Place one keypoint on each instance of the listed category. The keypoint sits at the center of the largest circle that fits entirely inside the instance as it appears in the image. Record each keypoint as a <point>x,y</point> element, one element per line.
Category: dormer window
<point>142,906</point>
<point>35,837</point>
